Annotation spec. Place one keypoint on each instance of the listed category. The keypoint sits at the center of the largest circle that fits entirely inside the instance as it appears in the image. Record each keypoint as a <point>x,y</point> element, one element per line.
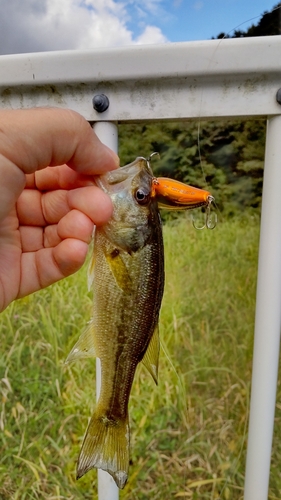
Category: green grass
<point>189,433</point>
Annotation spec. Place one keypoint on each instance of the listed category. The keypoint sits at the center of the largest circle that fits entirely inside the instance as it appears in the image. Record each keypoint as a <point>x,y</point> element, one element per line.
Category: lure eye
<point>142,196</point>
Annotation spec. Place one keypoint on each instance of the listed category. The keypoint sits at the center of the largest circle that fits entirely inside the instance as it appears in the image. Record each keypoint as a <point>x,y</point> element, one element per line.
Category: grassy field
<point>189,434</point>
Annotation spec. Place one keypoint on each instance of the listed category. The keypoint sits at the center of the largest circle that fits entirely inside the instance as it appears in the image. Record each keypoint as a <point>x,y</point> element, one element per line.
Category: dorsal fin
<point>151,357</point>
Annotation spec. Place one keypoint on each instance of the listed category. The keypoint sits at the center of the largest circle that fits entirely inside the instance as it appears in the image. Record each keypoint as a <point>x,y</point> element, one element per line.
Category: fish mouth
<point>175,195</point>
<point>168,193</point>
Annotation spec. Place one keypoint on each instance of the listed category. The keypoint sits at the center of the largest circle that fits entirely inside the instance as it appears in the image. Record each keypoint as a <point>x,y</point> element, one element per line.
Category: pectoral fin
<point>91,267</point>
<point>119,270</point>
<point>84,347</point>
<point>151,357</point>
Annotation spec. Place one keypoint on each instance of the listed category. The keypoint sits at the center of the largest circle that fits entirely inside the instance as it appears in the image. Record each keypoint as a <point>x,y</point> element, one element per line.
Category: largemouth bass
<point>127,275</point>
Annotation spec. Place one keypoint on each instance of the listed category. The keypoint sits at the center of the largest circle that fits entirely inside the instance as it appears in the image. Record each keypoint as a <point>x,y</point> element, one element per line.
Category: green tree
<point>223,156</point>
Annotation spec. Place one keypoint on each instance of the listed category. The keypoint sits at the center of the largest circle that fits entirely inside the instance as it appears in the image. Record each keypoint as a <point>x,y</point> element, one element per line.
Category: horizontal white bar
<point>189,59</point>
<point>215,78</point>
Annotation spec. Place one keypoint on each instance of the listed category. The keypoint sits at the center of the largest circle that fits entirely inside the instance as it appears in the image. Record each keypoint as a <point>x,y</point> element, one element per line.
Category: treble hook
<point>148,160</point>
<point>210,222</point>
<point>153,154</point>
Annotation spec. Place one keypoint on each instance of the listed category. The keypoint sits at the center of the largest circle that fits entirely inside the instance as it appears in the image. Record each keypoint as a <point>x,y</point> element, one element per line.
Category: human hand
<point>48,201</point>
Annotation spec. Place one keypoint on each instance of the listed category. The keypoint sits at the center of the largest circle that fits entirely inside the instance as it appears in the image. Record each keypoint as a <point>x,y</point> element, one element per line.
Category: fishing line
<point>182,389</point>
<point>235,466</point>
<point>253,18</point>
<point>170,361</point>
<point>278,7</point>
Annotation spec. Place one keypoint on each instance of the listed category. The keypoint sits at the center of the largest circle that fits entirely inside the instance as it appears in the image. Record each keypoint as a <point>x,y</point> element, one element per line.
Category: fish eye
<point>142,196</point>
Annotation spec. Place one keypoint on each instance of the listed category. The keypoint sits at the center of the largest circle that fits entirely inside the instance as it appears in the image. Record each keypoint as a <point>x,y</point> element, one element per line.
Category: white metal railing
<point>208,79</point>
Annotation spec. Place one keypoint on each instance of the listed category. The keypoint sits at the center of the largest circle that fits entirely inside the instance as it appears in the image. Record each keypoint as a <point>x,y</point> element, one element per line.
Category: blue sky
<point>184,20</point>
<point>44,25</point>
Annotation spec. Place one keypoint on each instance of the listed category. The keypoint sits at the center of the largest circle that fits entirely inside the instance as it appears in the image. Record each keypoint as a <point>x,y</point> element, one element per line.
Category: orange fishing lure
<point>175,195</point>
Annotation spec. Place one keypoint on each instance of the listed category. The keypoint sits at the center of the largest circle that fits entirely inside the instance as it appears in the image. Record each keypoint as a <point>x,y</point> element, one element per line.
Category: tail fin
<point>106,446</point>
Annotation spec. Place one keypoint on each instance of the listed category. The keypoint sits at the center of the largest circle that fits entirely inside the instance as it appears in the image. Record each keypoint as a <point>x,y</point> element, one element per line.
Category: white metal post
<point>267,323</point>
<point>107,490</point>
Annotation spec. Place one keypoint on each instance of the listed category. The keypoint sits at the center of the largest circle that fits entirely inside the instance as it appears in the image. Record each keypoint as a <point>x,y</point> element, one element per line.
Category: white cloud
<point>151,34</point>
<point>30,25</point>
<point>151,6</point>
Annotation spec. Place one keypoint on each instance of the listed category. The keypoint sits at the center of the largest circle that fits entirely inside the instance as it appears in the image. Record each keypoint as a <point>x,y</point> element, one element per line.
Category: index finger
<point>35,138</point>
<point>30,140</point>
<point>60,177</point>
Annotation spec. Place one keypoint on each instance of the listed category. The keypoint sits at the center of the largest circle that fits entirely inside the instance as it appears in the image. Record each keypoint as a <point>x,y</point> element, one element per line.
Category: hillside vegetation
<point>225,155</point>
<point>189,432</point>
